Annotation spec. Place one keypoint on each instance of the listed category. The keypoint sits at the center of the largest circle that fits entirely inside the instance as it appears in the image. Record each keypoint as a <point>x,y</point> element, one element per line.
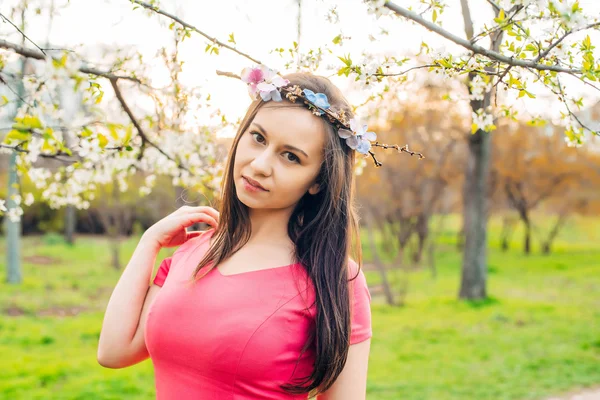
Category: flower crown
<point>266,83</point>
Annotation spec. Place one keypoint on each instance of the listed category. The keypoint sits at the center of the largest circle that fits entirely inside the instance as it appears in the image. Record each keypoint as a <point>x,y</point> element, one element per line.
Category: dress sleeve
<point>165,265</point>
<point>163,271</point>
<point>360,305</point>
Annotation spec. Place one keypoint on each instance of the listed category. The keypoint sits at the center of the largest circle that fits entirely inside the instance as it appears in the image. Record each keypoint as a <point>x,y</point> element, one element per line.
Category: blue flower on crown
<point>318,99</point>
<point>357,137</point>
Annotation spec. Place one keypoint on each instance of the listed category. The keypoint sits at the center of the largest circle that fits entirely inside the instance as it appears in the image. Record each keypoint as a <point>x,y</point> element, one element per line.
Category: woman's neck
<point>270,226</point>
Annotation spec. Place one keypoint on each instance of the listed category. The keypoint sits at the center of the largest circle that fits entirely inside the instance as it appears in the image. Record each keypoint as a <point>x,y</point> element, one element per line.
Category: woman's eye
<point>293,157</point>
<point>256,133</point>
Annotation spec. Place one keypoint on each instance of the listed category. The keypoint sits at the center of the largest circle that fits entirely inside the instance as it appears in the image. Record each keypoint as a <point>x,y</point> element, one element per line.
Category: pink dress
<point>236,337</point>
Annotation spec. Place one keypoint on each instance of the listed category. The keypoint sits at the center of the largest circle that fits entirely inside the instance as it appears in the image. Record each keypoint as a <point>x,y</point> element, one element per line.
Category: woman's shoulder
<point>354,268</point>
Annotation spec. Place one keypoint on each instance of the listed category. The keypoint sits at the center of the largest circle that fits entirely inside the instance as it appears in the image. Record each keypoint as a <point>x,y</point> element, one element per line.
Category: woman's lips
<point>252,187</point>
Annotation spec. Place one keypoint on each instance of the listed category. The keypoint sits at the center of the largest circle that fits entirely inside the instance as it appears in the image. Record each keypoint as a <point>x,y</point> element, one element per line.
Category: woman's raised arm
<point>122,341</point>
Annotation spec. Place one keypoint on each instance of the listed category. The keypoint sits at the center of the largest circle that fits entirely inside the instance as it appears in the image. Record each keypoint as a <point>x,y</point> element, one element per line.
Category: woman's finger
<point>190,219</point>
<point>206,209</point>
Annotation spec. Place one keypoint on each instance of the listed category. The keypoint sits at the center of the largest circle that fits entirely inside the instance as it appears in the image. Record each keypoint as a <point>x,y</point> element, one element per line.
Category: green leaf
<point>231,38</point>
<point>500,18</point>
<point>586,44</point>
<point>344,71</point>
<point>128,134</point>
<point>112,128</point>
<point>346,61</point>
<point>48,133</point>
<point>531,47</point>
<point>29,122</point>
<point>16,135</point>
<point>86,132</point>
<point>337,39</point>
<point>103,141</point>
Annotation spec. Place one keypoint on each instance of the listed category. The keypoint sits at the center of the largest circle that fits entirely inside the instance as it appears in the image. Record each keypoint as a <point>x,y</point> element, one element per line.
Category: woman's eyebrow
<point>287,146</point>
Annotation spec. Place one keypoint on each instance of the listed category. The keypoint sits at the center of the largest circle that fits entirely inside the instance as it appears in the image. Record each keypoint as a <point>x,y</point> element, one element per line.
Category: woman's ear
<point>314,189</point>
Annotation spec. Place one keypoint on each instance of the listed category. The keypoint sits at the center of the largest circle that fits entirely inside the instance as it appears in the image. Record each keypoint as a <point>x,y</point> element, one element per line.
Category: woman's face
<point>282,150</point>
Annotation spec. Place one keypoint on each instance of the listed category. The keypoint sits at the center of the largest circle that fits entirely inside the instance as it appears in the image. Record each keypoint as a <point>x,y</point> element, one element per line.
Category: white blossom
<point>332,15</point>
<point>29,199</point>
<point>482,120</point>
<point>573,20</point>
<point>90,149</point>
<point>34,147</point>
<point>479,88</point>
<point>14,214</point>
<point>39,176</point>
<point>377,8</point>
<point>144,191</point>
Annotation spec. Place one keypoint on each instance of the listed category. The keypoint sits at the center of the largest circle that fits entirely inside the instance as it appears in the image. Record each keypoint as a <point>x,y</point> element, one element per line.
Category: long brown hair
<point>319,223</point>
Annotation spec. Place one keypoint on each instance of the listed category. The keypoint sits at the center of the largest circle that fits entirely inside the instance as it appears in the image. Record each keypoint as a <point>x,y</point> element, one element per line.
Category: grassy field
<point>537,335</point>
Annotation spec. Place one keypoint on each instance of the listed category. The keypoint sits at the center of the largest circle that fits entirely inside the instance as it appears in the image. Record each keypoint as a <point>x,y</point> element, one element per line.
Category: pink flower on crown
<point>264,81</point>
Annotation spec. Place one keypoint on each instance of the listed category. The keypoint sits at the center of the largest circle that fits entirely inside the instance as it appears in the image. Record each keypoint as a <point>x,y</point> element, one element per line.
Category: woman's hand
<point>171,230</point>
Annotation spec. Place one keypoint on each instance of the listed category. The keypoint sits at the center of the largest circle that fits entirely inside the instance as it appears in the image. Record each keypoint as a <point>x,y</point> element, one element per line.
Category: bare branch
<point>21,32</point>
<point>408,70</point>
<point>37,55</point>
<point>514,10</point>
<point>14,92</point>
<point>473,47</point>
<point>19,149</point>
<point>138,127</point>
<point>565,102</point>
<point>553,45</point>
<point>466,12</point>
<point>189,26</point>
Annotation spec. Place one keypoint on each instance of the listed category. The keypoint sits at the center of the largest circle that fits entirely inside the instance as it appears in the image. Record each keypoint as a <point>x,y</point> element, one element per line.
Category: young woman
<point>268,303</point>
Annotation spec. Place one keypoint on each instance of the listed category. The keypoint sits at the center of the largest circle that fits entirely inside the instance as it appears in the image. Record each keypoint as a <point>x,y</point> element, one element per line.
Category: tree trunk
<point>406,230</point>
<point>475,214</point>
<point>547,244</point>
<point>475,199</point>
<point>13,229</point>
<point>527,239</point>
<point>474,266</point>
<point>507,230</point>
<point>431,256</point>
<point>460,238</point>
<point>70,224</point>
<point>387,290</point>
<point>422,230</point>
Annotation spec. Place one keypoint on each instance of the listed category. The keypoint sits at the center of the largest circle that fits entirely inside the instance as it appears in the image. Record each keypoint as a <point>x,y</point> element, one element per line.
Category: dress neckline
<point>212,230</point>
<point>254,270</point>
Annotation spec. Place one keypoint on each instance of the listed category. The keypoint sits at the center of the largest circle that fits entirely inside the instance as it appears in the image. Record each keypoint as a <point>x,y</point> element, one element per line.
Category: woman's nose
<point>262,163</point>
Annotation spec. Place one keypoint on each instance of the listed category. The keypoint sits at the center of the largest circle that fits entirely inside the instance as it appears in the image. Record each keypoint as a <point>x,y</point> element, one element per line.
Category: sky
<point>259,27</point>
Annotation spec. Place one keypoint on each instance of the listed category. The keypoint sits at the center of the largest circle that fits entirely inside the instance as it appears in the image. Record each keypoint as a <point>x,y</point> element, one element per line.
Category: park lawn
<point>537,335</point>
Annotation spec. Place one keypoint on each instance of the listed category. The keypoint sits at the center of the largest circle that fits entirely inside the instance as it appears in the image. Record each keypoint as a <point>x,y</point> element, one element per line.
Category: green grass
<point>537,335</point>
